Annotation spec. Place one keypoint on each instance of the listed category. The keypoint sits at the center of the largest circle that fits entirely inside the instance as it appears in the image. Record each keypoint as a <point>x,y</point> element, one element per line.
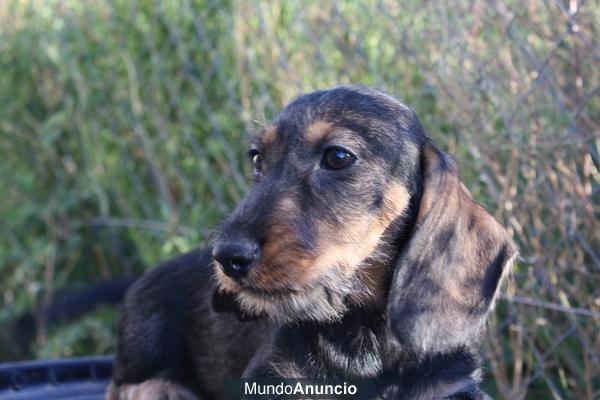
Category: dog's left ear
<point>448,273</point>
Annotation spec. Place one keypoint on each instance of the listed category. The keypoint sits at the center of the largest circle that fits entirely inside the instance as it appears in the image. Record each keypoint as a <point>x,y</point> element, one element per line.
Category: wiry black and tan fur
<point>386,268</point>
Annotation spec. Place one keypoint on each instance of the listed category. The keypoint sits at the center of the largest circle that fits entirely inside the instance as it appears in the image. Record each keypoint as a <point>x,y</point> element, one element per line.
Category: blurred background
<point>123,128</point>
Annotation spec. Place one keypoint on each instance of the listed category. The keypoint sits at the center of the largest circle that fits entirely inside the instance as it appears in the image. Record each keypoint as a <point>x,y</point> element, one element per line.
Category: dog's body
<point>358,254</point>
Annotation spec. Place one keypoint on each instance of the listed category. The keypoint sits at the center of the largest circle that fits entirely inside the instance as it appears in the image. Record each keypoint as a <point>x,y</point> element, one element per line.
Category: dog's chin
<point>325,300</point>
<point>320,304</point>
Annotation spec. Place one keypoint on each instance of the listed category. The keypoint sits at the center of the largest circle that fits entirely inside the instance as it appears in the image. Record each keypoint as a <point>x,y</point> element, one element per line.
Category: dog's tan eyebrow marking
<point>268,136</point>
<point>317,131</point>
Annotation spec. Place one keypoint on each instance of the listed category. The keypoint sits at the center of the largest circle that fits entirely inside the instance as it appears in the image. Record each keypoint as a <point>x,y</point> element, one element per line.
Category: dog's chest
<point>350,348</point>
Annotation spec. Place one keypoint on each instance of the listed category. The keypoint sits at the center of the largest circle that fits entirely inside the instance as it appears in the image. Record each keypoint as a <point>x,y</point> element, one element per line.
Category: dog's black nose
<point>236,257</point>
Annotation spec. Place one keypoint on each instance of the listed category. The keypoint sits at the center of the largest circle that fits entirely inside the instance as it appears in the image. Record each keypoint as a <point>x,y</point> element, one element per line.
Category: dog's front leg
<point>153,389</point>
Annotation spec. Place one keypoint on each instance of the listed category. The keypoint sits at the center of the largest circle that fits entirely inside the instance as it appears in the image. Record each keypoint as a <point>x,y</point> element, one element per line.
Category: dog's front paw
<point>153,389</point>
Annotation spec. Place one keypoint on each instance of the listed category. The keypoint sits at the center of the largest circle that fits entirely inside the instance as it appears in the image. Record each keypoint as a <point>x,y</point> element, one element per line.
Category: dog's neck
<point>361,345</point>
<point>225,302</point>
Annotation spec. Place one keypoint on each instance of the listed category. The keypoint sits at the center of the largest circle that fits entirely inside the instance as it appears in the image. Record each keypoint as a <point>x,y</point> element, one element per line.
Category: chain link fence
<point>122,130</point>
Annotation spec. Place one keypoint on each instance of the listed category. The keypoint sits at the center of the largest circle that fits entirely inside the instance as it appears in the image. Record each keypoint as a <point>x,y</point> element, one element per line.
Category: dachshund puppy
<point>357,254</point>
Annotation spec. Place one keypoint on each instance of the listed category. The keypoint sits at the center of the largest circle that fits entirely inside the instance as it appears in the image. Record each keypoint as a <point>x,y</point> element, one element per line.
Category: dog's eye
<point>337,158</point>
<point>256,158</point>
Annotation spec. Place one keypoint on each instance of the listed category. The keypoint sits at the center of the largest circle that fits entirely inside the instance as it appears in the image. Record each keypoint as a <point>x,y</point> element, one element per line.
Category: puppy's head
<point>333,173</point>
<point>339,178</point>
